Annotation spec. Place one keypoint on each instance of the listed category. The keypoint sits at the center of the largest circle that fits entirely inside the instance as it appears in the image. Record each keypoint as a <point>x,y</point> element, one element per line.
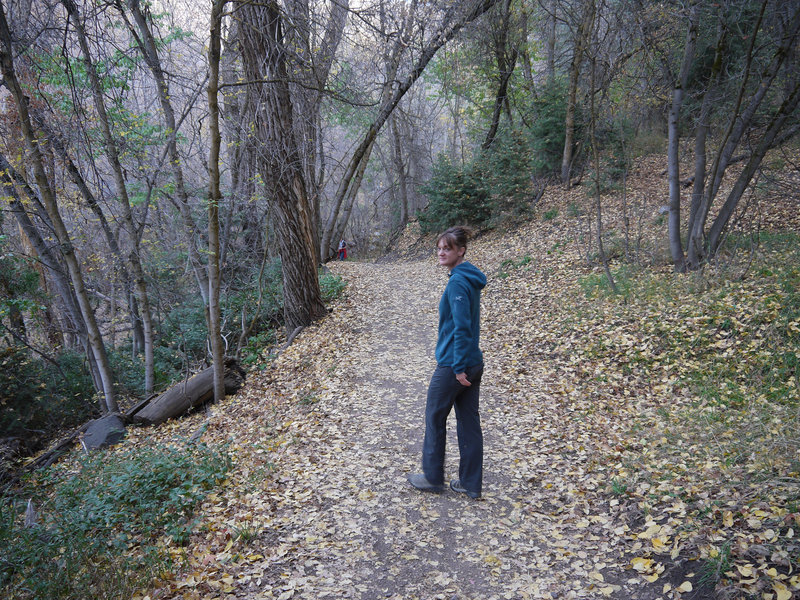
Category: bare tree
<point>145,40</point>
<point>505,54</point>
<point>673,164</point>
<point>214,195</point>
<point>112,154</point>
<point>264,58</point>
<point>582,31</point>
<point>453,20</point>
<point>754,117</point>
<point>48,197</point>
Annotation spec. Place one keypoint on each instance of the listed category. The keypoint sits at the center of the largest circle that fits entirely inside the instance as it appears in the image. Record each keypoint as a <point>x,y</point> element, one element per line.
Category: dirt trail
<point>345,522</point>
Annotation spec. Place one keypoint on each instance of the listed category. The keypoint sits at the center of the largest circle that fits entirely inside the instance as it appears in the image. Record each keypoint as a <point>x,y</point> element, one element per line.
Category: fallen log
<point>188,394</point>
<point>57,451</point>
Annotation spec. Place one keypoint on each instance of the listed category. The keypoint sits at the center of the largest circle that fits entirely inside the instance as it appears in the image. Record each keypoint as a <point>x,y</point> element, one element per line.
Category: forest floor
<point>605,475</point>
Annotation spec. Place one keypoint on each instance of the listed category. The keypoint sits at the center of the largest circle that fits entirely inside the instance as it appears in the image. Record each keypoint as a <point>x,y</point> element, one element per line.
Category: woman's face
<point>449,256</point>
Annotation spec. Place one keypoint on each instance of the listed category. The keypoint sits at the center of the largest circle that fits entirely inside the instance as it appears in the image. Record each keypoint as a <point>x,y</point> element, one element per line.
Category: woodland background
<point>169,193</point>
<point>174,178</point>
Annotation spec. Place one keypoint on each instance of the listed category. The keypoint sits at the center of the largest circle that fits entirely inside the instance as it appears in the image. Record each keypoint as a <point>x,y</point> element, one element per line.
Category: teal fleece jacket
<point>460,319</point>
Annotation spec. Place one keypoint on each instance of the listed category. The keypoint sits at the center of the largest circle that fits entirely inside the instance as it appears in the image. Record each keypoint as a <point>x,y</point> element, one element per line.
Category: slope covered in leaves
<point>631,448</point>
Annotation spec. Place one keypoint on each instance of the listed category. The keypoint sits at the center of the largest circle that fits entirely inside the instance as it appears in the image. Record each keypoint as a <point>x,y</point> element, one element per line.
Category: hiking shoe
<point>456,486</point>
<point>419,481</point>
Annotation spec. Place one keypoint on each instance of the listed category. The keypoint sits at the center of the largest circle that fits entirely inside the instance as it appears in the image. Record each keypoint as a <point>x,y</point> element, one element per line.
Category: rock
<point>103,432</point>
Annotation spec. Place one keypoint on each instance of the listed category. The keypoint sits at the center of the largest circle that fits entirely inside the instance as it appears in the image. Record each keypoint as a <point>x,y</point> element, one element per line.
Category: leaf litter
<point>606,475</point>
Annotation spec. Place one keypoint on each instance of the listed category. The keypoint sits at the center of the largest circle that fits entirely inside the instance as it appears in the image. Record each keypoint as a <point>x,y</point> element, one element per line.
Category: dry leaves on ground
<point>596,486</point>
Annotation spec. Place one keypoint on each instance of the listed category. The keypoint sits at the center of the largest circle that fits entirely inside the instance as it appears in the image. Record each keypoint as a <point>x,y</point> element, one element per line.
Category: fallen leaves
<point>607,475</point>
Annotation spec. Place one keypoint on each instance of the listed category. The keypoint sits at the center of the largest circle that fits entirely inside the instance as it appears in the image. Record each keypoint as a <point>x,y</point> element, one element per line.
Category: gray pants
<point>444,392</point>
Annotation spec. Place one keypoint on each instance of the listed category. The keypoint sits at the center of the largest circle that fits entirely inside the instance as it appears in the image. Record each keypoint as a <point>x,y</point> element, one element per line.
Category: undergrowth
<point>103,524</point>
<point>719,352</point>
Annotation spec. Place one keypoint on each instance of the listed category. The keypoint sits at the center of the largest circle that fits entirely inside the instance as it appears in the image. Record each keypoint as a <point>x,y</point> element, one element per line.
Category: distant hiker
<point>457,378</point>
<point>342,250</point>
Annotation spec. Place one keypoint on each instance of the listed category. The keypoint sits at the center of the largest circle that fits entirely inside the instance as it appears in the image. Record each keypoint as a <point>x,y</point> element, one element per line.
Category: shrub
<point>331,286</point>
<point>455,195</point>
<point>43,397</point>
<point>184,329</point>
<point>245,298</point>
<point>111,502</point>
<point>492,189</point>
<point>547,128</point>
<point>252,350</point>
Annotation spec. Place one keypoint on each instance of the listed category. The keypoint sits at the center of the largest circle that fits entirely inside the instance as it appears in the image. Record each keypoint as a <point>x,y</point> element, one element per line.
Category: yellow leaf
<point>781,592</point>
<point>675,551</point>
<point>745,570</point>
<point>607,591</point>
<point>754,523</point>
<point>686,586</point>
<point>727,519</point>
<point>596,575</point>
<point>651,531</point>
<point>492,560</point>
<point>659,544</point>
<point>651,578</point>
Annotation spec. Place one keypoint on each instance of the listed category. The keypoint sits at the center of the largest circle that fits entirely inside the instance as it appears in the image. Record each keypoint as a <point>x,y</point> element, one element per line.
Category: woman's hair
<point>455,237</point>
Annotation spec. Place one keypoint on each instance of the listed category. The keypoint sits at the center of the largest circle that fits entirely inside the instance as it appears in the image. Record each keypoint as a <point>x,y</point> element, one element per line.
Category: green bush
<point>169,366</point>
<point>245,297</point>
<point>547,128</point>
<point>42,397</point>
<point>331,286</point>
<point>254,348</point>
<point>615,144</point>
<point>112,502</point>
<point>489,191</point>
<point>184,330</point>
<point>597,285</point>
<point>455,195</point>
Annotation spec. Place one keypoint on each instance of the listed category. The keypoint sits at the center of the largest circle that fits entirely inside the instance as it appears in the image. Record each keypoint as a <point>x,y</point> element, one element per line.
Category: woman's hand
<point>462,379</point>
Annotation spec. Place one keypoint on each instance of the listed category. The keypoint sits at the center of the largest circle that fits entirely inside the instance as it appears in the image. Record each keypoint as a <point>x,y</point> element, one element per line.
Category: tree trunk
<point>550,54</point>
<point>673,159</point>
<point>598,201</point>
<point>311,77</point>
<point>778,123</point>
<point>584,29</point>
<point>113,243</point>
<point>264,59</point>
<point>214,195</point>
<point>49,199</point>
<point>48,261</point>
<point>195,391</point>
<point>695,242</point>
<point>741,123</point>
<point>351,200</point>
<point>400,169</point>
<point>144,311</point>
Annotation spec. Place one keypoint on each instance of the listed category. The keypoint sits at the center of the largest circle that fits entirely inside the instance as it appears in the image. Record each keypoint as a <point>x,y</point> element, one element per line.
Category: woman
<point>456,380</point>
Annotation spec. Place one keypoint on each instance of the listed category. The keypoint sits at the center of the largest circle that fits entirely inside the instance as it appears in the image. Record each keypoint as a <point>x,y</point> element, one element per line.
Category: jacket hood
<point>470,273</point>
